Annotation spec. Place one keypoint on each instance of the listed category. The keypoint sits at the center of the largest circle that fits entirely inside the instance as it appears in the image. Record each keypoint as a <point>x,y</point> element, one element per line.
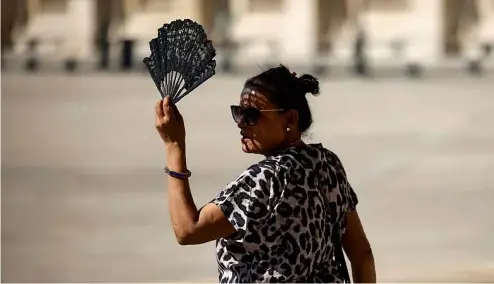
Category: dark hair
<point>287,91</point>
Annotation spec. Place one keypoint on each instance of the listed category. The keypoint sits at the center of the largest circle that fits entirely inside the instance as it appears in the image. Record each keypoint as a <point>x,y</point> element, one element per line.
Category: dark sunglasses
<point>248,115</point>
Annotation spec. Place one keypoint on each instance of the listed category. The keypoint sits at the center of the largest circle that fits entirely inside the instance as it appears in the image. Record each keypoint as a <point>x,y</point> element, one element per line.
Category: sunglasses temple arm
<point>268,110</point>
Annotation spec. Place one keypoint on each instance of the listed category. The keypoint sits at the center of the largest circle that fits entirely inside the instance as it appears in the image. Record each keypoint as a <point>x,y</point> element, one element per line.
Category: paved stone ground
<point>83,195</point>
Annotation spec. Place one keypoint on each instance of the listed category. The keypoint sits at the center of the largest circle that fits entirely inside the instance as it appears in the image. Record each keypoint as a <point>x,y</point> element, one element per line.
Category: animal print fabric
<point>289,211</point>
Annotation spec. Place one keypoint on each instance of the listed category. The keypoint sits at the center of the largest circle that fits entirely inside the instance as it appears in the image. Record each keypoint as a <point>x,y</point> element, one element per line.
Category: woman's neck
<point>294,143</point>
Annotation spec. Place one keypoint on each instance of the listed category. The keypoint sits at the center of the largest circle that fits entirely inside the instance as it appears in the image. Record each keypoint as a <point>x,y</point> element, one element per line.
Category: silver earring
<point>288,129</point>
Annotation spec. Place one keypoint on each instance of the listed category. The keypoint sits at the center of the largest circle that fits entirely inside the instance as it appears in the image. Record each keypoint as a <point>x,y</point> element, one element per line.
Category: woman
<point>283,219</point>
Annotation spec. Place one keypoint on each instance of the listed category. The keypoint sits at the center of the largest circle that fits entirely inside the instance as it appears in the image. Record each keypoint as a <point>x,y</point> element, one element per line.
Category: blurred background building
<point>308,32</point>
<point>83,191</point>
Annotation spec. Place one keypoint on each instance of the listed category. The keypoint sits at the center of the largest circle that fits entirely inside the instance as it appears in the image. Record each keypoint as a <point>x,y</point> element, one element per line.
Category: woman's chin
<point>245,149</point>
<point>248,146</point>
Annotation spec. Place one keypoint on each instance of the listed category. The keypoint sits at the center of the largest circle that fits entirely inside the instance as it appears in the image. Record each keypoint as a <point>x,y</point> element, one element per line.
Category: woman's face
<point>263,126</point>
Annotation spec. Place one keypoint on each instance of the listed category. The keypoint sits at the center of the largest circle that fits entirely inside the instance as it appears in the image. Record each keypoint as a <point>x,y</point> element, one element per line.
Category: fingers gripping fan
<point>181,59</point>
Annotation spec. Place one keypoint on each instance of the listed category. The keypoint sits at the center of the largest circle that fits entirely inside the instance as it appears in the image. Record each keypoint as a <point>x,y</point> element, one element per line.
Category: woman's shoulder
<point>307,156</point>
<point>267,168</point>
<point>291,159</point>
<point>324,154</point>
<point>264,174</point>
<point>261,170</point>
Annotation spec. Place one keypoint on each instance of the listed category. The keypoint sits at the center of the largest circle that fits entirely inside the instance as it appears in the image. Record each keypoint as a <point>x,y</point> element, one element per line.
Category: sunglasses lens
<point>249,116</point>
<point>236,113</point>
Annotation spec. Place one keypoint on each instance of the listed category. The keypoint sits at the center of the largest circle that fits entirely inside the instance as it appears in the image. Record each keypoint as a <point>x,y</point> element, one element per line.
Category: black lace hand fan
<point>181,59</point>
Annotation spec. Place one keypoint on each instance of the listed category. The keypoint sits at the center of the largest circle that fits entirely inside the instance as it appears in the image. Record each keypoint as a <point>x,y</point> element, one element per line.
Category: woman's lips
<point>245,137</point>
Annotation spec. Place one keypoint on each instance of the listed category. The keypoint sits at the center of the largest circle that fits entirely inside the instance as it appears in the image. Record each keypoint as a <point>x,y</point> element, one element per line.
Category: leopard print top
<point>289,212</point>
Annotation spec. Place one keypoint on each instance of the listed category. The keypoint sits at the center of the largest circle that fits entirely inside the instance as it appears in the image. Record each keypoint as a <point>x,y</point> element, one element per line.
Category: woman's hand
<point>169,123</point>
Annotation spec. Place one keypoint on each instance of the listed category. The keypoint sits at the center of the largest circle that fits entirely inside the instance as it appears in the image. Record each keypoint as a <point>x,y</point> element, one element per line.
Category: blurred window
<point>265,6</point>
<point>53,6</point>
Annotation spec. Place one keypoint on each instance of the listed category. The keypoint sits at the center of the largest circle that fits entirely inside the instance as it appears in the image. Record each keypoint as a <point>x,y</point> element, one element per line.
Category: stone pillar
<point>298,41</point>
<point>9,11</point>
<point>486,33</point>
<point>486,8</point>
<point>32,8</point>
<point>238,8</point>
<point>469,21</point>
<point>343,45</point>
<point>425,37</point>
<point>81,32</point>
<point>129,7</point>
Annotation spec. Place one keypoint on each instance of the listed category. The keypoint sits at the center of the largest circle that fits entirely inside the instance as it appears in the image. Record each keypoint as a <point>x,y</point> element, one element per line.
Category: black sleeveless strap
<point>341,263</point>
<point>339,257</point>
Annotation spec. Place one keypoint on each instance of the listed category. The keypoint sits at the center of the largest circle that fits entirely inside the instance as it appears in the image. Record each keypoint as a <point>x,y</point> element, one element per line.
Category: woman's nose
<point>241,123</point>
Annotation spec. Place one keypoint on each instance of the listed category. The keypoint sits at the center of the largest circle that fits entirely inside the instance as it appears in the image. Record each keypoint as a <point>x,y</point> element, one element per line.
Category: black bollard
<point>226,61</point>
<point>127,54</point>
<point>361,67</point>
<point>226,65</point>
<point>32,62</point>
<point>103,44</point>
<point>104,60</point>
<point>474,67</point>
<point>320,69</point>
<point>71,65</point>
<point>413,70</point>
<point>487,49</point>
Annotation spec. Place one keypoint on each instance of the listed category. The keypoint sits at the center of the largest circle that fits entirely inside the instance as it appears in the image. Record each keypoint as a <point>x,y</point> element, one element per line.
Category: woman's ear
<point>292,119</point>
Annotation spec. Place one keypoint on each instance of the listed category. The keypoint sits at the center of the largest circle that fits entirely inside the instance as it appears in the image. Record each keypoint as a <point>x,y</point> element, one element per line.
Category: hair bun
<point>310,84</point>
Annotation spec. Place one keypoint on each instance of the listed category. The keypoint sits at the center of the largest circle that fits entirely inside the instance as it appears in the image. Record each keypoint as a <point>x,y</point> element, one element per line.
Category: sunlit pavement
<point>84,197</point>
